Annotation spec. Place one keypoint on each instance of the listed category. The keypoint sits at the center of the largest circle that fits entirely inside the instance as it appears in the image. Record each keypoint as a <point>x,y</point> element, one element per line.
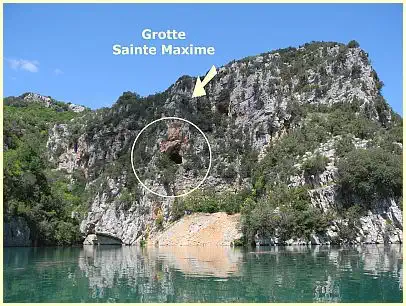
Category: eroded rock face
<point>35,97</point>
<point>247,107</point>
<point>47,101</point>
<point>175,143</point>
<point>16,232</point>
<point>382,224</point>
<point>115,221</point>
<point>76,108</point>
<point>100,239</point>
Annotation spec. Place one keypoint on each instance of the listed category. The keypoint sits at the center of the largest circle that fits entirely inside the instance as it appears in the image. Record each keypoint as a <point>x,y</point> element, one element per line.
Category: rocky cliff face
<point>16,232</point>
<point>251,105</point>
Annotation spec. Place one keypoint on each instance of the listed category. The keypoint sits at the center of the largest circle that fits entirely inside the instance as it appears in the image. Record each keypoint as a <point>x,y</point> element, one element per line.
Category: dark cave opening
<point>222,107</point>
<point>175,156</point>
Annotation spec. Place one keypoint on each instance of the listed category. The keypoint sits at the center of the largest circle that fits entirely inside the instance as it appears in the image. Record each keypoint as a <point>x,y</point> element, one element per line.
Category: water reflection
<point>335,274</point>
<point>104,265</point>
<point>200,261</point>
<point>193,261</point>
<point>199,274</point>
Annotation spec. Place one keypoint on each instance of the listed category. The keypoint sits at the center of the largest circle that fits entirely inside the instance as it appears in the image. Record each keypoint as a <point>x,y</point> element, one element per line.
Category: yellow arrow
<point>199,87</point>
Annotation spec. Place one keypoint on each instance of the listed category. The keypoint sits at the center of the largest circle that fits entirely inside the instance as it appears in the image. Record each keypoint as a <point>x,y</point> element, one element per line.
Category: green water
<point>197,274</point>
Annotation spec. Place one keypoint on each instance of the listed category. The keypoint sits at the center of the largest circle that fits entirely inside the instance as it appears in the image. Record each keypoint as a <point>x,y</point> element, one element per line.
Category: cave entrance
<point>176,157</point>
<point>222,107</point>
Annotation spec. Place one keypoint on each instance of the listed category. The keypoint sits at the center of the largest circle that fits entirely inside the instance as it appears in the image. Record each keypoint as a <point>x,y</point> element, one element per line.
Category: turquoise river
<point>203,274</point>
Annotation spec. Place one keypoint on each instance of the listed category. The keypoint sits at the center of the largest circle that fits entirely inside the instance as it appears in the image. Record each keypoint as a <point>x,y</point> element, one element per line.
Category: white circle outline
<point>132,157</point>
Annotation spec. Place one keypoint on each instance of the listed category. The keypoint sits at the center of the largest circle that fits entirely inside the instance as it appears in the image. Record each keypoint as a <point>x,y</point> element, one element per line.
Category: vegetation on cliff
<point>297,82</point>
<point>32,190</point>
<point>365,175</point>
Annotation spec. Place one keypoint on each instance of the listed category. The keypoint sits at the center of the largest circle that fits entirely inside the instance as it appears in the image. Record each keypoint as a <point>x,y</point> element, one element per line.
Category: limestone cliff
<point>16,232</point>
<point>251,106</point>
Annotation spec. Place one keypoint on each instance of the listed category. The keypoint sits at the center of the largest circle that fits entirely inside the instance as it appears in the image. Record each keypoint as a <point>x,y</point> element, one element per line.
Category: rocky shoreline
<point>221,229</point>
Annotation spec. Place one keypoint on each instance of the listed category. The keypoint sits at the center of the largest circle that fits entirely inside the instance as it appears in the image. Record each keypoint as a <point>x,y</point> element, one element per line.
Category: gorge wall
<point>282,122</point>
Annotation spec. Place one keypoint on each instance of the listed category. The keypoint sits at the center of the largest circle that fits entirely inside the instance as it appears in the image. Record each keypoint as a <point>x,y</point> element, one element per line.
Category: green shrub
<point>295,217</point>
<point>343,146</point>
<point>159,221</point>
<point>202,201</point>
<point>229,172</point>
<point>231,202</point>
<point>353,44</point>
<point>238,242</point>
<point>370,174</point>
<point>315,164</point>
<point>126,198</point>
<point>167,168</point>
<point>67,233</point>
<point>348,232</point>
<point>363,127</point>
<point>178,209</point>
<point>249,161</point>
<point>209,201</point>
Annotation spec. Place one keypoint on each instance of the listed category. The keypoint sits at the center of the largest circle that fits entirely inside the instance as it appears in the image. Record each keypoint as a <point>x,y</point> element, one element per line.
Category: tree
<point>30,190</point>
<point>370,174</point>
<point>315,164</point>
<point>343,146</point>
<point>353,44</point>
